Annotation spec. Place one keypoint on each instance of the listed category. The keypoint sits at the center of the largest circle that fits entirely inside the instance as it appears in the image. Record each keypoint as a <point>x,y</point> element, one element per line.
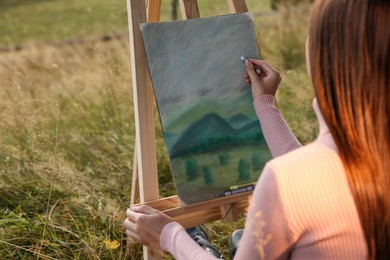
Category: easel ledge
<point>228,209</point>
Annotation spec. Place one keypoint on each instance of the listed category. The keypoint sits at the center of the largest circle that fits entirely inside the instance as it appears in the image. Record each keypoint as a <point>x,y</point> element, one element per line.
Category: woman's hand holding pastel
<point>265,82</point>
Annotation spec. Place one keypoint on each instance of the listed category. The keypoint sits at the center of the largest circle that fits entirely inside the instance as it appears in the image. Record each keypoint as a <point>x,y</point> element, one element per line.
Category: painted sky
<point>198,59</point>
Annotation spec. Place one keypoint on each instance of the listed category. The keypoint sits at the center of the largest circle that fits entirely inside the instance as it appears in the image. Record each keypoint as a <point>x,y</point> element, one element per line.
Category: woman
<point>327,199</point>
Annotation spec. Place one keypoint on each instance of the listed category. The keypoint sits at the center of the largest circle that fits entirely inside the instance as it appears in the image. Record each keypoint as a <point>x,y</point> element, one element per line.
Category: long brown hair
<point>349,56</point>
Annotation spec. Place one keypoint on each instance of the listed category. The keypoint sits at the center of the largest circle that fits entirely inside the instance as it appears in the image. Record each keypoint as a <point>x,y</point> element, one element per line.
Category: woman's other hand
<point>265,81</point>
<point>144,224</point>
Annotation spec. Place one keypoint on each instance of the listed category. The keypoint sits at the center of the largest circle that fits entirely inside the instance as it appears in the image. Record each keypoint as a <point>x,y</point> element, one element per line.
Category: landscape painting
<point>213,136</point>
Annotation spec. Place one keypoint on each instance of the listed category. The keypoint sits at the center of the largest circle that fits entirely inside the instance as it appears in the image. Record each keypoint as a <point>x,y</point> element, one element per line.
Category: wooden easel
<point>145,180</point>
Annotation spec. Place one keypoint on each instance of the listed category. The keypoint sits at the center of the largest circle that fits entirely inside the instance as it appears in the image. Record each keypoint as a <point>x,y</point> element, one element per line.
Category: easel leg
<point>144,119</point>
<point>149,254</point>
<point>135,181</point>
<point>238,6</point>
<point>152,254</point>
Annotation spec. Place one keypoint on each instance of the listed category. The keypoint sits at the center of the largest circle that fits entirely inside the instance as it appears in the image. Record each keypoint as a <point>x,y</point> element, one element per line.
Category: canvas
<point>213,136</point>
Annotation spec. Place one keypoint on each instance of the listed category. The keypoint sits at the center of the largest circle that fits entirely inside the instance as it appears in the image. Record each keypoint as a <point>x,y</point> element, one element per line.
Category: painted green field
<point>67,123</point>
<point>216,172</point>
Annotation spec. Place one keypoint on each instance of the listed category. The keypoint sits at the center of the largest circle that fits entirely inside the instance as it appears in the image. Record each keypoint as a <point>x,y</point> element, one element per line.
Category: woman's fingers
<point>250,69</point>
<point>133,231</point>
<point>266,81</point>
<point>129,225</point>
<point>246,78</point>
<point>134,213</point>
<point>143,209</point>
<point>144,224</point>
<point>133,216</point>
<point>266,67</point>
<point>137,233</point>
<point>133,237</point>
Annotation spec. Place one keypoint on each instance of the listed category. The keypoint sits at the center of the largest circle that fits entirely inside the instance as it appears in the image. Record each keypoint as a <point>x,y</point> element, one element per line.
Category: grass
<point>88,158</point>
<point>26,22</point>
<point>30,21</point>
<point>67,124</point>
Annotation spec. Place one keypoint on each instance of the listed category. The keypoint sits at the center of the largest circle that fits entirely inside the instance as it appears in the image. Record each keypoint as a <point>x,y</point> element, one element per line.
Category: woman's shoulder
<point>313,189</point>
<point>307,160</point>
<point>312,178</point>
<point>309,169</point>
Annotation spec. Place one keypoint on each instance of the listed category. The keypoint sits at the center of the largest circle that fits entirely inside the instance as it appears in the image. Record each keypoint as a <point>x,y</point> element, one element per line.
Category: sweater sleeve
<point>267,233</point>
<point>175,240</point>
<point>278,135</point>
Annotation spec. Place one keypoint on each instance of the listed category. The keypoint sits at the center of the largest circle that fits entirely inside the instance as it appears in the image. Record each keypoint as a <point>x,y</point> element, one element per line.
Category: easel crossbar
<point>203,212</point>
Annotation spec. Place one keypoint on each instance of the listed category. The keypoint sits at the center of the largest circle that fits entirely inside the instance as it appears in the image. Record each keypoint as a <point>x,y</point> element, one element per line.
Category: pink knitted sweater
<point>302,207</point>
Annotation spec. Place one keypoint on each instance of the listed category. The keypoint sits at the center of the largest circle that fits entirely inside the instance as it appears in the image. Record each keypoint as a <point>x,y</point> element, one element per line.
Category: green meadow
<point>67,122</point>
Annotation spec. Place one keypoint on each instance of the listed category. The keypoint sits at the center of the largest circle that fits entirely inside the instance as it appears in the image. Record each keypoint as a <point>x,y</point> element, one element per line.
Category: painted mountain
<point>211,130</point>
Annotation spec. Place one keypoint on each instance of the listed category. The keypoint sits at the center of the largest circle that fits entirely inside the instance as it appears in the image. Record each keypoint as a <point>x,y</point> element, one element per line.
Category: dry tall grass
<point>87,91</point>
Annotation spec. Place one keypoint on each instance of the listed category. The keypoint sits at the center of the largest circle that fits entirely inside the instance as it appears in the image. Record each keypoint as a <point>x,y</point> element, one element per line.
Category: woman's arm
<point>155,229</point>
<point>175,240</point>
<point>277,134</point>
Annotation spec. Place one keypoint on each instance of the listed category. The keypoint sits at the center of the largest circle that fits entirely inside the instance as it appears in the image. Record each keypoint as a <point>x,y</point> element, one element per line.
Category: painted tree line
<point>244,167</point>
